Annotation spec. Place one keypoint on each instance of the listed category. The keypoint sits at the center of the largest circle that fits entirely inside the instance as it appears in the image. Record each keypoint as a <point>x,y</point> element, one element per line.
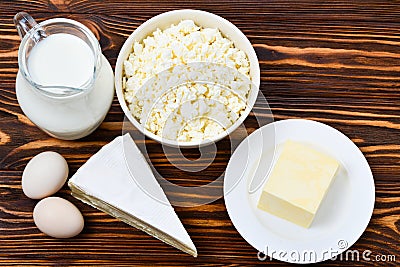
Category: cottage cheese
<point>186,83</point>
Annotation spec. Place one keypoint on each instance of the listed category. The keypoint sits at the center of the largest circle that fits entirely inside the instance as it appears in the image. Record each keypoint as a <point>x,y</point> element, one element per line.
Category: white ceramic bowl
<point>204,19</point>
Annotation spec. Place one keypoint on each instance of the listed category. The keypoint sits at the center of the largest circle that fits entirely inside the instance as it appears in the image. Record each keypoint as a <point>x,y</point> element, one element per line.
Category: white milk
<point>62,60</point>
<point>65,60</point>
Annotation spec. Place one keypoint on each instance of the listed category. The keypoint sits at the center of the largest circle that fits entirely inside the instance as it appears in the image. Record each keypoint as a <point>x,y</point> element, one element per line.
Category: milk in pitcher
<point>61,59</point>
<point>64,85</point>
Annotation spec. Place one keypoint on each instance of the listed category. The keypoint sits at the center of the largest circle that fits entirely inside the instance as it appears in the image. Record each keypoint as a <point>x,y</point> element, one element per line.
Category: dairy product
<point>194,110</point>
<point>65,85</point>
<point>62,60</point>
<point>106,182</point>
<point>298,183</point>
<point>73,117</point>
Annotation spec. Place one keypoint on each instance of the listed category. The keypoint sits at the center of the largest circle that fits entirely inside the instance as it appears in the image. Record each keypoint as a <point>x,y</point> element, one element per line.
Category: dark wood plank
<point>336,62</point>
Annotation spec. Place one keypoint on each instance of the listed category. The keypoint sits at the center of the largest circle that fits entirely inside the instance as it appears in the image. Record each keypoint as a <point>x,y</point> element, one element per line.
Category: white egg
<point>58,217</point>
<point>44,175</point>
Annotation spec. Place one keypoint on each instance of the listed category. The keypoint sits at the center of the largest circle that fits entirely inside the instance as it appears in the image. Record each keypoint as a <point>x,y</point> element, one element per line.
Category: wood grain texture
<point>337,62</point>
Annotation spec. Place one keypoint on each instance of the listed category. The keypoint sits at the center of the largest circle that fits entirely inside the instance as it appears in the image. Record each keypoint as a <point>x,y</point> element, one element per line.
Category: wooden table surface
<point>337,62</point>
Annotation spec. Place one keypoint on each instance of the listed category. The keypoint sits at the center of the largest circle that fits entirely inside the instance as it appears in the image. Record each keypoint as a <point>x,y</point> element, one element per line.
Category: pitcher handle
<point>25,23</point>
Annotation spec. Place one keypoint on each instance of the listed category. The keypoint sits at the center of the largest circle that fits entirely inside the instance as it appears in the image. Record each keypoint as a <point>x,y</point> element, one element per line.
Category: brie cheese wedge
<point>107,183</point>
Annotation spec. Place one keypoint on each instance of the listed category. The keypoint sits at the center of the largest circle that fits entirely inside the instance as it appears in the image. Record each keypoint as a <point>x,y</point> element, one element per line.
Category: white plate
<point>343,216</point>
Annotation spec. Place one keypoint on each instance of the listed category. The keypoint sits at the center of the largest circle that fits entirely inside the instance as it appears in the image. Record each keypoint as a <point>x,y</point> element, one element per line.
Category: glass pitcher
<point>66,93</point>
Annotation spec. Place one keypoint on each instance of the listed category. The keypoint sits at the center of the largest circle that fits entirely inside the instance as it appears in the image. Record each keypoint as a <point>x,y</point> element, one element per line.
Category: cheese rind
<point>298,183</point>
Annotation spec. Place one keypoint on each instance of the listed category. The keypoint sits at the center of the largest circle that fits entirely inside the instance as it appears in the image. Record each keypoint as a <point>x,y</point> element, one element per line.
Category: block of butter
<point>298,183</point>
